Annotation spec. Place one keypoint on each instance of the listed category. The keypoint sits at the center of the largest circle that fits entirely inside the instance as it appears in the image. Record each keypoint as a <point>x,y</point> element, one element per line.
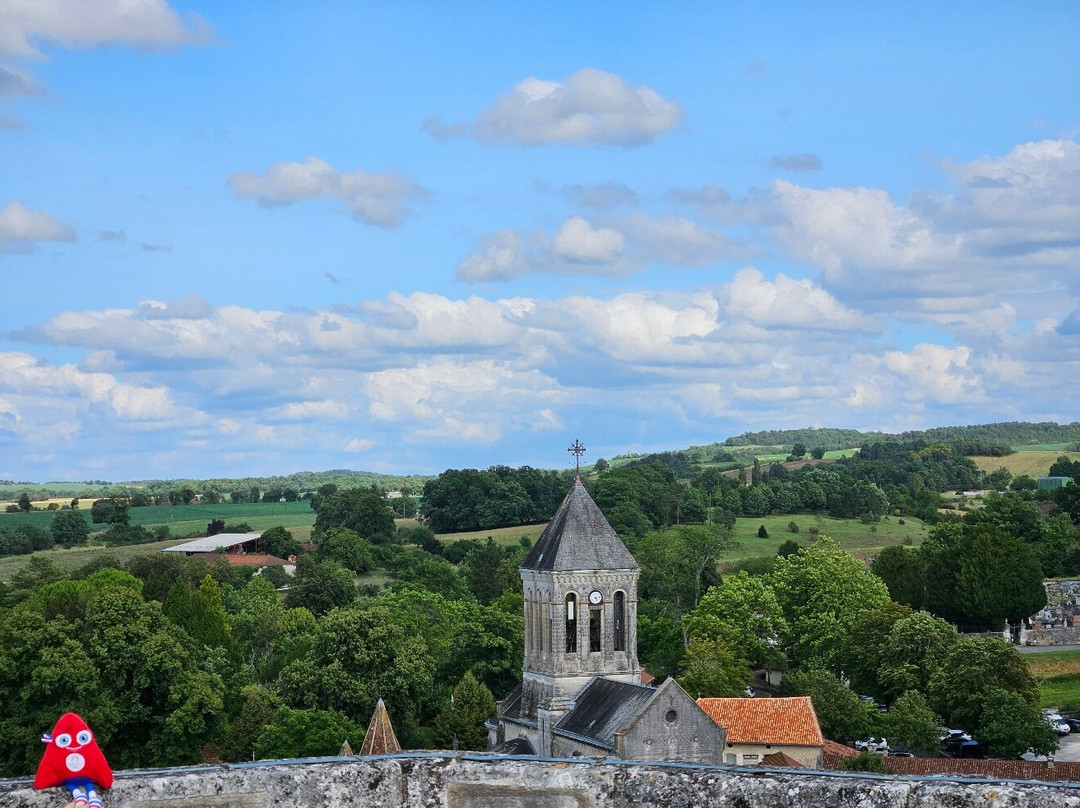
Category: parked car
<point>1060,725</point>
<point>879,745</point>
<point>1074,723</point>
<point>949,734</point>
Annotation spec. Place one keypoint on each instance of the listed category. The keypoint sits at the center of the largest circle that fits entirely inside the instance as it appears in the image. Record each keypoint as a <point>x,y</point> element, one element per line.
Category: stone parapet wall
<point>421,780</point>
<point>1051,636</point>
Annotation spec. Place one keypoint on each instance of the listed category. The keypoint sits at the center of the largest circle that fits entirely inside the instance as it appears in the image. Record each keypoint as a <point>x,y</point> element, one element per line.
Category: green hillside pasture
<point>1035,463</point>
<point>76,557</point>
<point>862,541</point>
<point>191,520</point>
<point>504,536</point>
<point>1058,673</point>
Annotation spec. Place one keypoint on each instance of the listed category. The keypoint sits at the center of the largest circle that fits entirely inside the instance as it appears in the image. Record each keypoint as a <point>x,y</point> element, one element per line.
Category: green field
<point>191,520</point>
<point>1035,462</point>
<point>862,541</point>
<point>75,557</point>
<point>1058,673</point>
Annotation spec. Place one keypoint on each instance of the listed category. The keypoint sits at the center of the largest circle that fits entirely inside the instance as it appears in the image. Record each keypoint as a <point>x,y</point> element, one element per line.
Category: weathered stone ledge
<point>443,780</point>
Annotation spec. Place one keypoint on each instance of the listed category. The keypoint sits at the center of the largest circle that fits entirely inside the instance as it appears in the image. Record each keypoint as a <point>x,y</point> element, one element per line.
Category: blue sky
<point>259,238</point>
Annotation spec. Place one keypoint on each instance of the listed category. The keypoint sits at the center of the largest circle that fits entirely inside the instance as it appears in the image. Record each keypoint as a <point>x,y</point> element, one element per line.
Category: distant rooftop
<point>211,543</point>
<point>789,721</point>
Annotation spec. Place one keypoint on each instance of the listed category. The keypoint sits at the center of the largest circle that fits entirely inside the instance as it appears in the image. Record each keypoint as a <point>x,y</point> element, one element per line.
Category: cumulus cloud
<point>21,228</point>
<point>391,375</point>
<point>787,303</point>
<point>1011,224</point>
<point>591,107</point>
<point>23,375</point>
<point>145,24</point>
<point>372,198</point>
<point>149,25</point>
<point>577,241</point>
<point>614,248</point>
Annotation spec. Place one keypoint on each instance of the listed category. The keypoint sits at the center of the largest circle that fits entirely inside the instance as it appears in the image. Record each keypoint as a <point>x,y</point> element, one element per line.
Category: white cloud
<point>373,198</point>
<point>591,107</point>
<point>1010,227</point>
<point>21,228</point>
<point>306,410</point>
<point>787,303</point>
<point>144,24</point>
<point>927,373</point>
<point>578,242</point>
<point>147,24</point>
<point>22,375</point>
<point>614,248</point>
<point>399,376</point>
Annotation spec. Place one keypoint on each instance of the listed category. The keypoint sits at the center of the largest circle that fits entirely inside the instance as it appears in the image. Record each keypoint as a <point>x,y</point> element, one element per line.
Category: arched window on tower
<point>620,621</point>
<point>595,631</point>
<point>571,623</point>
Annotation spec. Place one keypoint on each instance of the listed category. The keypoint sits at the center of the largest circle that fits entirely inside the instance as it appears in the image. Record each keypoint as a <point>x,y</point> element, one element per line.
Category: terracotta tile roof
<point>992,769</point>
<point>380,738</point>
<point>838,749</point>
<point>249,559</point>
<point>780,760</point>
<point>766,721</point>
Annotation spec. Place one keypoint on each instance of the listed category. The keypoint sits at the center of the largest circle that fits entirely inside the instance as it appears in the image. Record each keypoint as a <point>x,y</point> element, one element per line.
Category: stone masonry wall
<point>419,780</point>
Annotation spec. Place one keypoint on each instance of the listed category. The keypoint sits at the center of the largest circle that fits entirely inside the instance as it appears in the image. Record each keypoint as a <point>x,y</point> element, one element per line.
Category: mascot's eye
<point>63,740</point>
<point>84,737</point>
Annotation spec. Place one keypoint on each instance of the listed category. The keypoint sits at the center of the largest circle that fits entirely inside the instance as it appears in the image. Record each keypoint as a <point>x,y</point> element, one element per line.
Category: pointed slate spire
<point>579,538</point>
<point>380,738</point>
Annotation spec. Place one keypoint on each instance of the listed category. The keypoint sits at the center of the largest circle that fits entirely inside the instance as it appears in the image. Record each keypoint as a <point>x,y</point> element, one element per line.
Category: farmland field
<point>1058,674</point>
<point>862,541</point>
<point>1036,463</point>
<point>75,557</point>
<point>189,520</point>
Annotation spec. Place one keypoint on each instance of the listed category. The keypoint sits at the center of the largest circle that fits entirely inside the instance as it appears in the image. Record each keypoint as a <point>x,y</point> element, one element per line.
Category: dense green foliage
<point>467,499</point>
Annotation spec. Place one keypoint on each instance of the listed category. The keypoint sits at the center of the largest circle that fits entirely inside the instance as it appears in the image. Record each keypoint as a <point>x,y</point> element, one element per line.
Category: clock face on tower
<point>595,597</point>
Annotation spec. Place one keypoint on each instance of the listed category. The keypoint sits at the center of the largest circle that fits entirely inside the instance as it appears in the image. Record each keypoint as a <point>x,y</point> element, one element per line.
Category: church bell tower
<point>580,589</point>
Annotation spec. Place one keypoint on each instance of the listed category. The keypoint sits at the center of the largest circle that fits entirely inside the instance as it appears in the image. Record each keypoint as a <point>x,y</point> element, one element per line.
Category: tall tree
<point>746,607</point>
<point>822,591</point>
<point>899,568</point>
<point>358,509</point>
<point>460,722</point>
<point>974,668</point>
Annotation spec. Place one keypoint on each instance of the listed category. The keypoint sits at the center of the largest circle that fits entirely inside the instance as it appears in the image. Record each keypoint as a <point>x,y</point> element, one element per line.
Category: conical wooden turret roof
<point>579,538</point>
<point>380,738</point>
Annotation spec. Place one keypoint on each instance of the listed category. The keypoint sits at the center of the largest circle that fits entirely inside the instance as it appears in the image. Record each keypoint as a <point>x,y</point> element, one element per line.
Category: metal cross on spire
<point>577,450</point>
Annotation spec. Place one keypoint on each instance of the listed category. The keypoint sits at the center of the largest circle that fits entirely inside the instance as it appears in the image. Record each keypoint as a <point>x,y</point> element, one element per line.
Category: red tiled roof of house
<point>780,760</point>
<point>248,559</point>
<point>993,769</point>
<point>839,749</point>
<point>789,721</point>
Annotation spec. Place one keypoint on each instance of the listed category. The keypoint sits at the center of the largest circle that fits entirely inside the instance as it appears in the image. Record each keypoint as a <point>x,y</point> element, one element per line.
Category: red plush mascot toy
<point>74,760</point>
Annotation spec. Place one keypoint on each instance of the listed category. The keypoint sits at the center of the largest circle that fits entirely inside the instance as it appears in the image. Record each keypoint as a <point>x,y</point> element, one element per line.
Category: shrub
<point>762,532</point>
<point>792,527</point>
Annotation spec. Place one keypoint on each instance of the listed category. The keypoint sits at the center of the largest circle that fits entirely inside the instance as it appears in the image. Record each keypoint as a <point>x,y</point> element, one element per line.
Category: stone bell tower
<point>580,588</point>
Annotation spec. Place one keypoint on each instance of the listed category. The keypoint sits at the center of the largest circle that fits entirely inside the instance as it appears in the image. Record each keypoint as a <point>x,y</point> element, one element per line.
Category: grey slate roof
<point>602,708</point>
<point>579,538</point>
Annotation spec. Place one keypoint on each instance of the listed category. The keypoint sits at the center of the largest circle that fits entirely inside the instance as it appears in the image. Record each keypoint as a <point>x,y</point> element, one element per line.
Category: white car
<point>879,745</point>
